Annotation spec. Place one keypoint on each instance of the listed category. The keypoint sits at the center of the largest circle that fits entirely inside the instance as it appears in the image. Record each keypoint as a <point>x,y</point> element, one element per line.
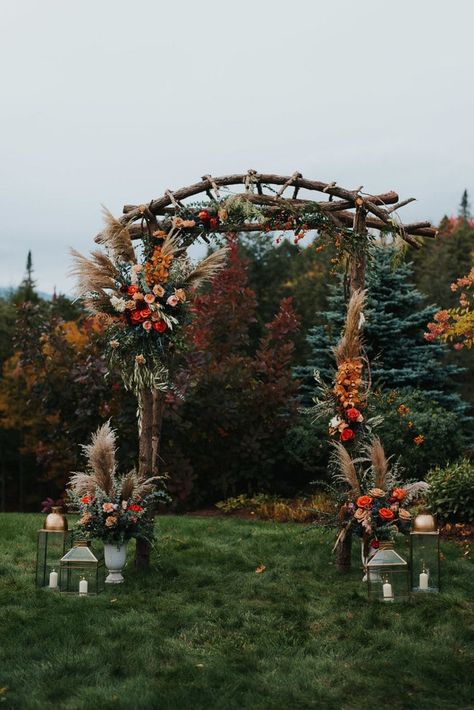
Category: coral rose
<point>386,514</point>
<point>135,508</point>
<point>352,414</point>
<point>364,501</point>
<point>347,434</point>
<point>131,290</point>
<point>399,494</point>
<point>160,326</point>
<point>149,298</point>
<point>136,317</point>
<point>86,500</point>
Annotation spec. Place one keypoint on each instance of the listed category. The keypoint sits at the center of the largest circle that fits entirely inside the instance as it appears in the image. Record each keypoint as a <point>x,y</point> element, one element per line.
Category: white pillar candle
<point>53,579</point>
<point>83,587</point>
<point>387,592</point>
<point>423,580</point>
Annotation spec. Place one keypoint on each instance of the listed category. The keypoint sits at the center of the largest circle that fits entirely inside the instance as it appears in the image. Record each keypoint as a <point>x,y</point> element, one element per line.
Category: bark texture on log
<point>151,406</point>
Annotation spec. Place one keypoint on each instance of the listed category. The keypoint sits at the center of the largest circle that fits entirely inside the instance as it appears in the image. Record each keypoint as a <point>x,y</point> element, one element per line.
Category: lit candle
<point>53,579</point>
<point>387,591</point>
<point>423,579</point>
<point>83,587</point>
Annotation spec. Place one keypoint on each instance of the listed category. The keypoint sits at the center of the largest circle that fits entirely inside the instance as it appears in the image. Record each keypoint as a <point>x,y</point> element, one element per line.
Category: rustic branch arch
<point>351,211</point>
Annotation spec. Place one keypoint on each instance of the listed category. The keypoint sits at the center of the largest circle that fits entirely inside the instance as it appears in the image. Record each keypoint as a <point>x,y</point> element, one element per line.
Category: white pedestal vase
<point>114,558</point>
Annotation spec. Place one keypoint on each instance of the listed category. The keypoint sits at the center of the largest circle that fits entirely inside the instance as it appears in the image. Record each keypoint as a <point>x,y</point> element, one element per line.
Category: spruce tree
<point>396,319</point>
<point>26,291</point>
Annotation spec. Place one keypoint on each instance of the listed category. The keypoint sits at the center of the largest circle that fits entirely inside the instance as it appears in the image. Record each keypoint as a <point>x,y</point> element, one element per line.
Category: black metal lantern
<point>81,570</point>
<point>52,542</point>
<point>387,575</point>
<point>424,555</point>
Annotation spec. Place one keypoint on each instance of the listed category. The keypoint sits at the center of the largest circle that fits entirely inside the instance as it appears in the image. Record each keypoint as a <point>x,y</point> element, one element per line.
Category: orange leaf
<point>260,569</point>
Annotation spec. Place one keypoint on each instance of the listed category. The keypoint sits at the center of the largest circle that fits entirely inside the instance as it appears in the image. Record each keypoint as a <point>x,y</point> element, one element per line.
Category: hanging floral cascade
<point>456,325</point>
<point>376,509</point>
<point>346,402</point>
<point>141,297</point>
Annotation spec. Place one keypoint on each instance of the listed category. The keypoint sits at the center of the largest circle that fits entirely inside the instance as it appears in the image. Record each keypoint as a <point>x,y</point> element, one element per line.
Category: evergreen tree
<point>26,291</point>
<point>395,322</point>
<point>464,207</point>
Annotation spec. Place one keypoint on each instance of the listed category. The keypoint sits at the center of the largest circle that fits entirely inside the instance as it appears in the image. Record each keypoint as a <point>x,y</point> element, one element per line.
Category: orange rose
<point>364,501</point>
<point>399,494</point>
<point>386,514</point>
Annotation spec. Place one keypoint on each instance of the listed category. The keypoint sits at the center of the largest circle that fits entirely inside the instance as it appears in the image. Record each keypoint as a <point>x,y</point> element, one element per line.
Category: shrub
<point>451,494</point>
<point>417,430</point>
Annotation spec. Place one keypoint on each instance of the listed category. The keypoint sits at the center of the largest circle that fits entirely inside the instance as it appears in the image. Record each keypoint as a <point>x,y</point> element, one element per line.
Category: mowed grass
<point>204,630</point>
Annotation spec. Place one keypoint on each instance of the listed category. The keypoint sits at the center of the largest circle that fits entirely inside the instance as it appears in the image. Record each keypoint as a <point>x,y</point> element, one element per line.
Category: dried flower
<point>180,294</point>
<point>419,439</point>
<point>404,514</point>
<point>376,492</point>
<point>140,359</point>
<point>114,344</point>
<point>111,520</point>
<point>158,290</point>
<point>108,507</point>
<point>86,519</point>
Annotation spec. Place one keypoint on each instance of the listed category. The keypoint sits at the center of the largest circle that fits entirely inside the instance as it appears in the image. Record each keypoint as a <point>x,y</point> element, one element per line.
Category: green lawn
<point>203,630</point>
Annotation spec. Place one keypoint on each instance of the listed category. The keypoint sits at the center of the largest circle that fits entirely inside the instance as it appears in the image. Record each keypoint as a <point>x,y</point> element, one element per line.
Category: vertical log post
<point>357,281</point>
<point>152,403</point>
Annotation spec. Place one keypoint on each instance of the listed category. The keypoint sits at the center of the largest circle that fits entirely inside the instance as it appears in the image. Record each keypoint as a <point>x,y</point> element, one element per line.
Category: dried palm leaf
<point>345,469</point>
<point>93,274</point>
<point>100,455</point>
<point>116,237</point>
<point>350,345</point>
<point>208,267</point>
<point>82,483</point>
<point>379,462</point>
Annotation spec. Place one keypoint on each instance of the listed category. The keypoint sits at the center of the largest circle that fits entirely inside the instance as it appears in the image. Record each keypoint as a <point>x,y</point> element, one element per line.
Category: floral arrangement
<point>456,325</point>
<point>112,508</point>
<point>141,297</point>
<point>376,508</point>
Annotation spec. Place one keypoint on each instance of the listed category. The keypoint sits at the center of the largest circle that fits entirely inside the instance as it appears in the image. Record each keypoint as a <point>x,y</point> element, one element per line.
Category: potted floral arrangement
<point>112,508</point>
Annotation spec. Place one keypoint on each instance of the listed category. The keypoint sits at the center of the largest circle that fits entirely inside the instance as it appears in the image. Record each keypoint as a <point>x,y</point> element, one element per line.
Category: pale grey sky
<point>113,101</point>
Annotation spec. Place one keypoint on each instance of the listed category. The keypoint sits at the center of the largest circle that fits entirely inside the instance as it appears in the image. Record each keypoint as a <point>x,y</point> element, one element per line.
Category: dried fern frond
<point>350,345</point>
<point>171,244</point>
<point>100,455</point>
<point>82,483</point>
<point>116,237</point>
<point>208,267</point>
<point>414,490</point>
<point>345,470</point>
<point>93,274</point>
<point>380,463</point>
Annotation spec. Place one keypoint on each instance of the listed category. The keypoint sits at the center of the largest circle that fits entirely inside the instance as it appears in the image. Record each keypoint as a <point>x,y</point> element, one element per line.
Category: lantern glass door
<point>425,567</point>
<point>387,576</point>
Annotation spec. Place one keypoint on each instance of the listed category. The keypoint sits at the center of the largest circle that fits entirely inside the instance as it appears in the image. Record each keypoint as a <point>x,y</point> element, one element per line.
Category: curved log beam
<point>379,215</point>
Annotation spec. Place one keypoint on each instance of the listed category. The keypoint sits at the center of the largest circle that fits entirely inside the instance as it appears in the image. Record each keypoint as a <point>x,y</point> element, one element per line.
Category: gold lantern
<point>387,575</point>
<point>52,542</point>
<point>81,570</point>
<point>425,555</point>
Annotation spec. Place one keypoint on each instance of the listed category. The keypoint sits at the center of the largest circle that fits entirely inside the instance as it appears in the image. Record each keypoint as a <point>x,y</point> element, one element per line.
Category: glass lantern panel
<point>71,576</point>
<point>425,562</point>
<point>52,544</point>
<point>386,557</point>
<point>388,584</point>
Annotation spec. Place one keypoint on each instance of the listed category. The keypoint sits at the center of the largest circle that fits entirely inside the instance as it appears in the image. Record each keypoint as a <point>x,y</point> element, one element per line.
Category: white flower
<point>335,422</point>
<point>118,304</point>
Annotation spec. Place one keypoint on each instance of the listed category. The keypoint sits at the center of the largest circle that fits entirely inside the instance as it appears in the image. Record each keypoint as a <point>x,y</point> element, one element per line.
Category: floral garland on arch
<point>141,297</point>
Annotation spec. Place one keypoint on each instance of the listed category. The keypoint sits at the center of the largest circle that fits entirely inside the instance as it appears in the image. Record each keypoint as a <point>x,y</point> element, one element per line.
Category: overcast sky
<point>113,101</point>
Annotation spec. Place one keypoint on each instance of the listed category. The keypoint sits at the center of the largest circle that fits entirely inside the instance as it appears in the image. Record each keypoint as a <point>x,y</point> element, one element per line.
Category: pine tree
<point>393,332</point>
<point>26,291</point>
<point>464,207</point>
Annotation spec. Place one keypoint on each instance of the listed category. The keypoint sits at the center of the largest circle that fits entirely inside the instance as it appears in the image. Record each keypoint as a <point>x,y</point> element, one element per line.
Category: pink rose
<point>172,301</point>
<point>147,325</point>
<point>149,298</point>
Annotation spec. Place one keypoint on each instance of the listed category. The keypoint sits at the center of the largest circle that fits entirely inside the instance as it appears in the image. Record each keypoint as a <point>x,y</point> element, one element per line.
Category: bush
<point>418,431</point>
<point>451,494</point>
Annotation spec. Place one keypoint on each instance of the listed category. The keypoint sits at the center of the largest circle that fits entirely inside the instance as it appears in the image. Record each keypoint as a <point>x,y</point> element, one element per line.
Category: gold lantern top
<point>55,521</point>
<point>424,523</point>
